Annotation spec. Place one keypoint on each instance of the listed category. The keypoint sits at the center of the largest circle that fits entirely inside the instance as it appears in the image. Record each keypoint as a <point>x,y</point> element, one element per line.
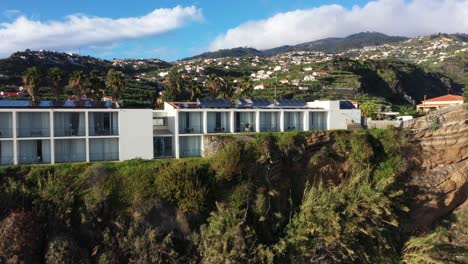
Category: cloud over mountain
<point>394,17</point>
<point>82,30</point>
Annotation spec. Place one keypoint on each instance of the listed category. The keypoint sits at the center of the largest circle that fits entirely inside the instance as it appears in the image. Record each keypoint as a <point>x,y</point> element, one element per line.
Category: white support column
<point>15,141</point>
<point>205,122</point>
<point>257,121</point>
<point>87,135</point>
<point>232,119</point>
<point>282,121</point>
<point>306,120</point>
<point>176,135</point>
<point>52,137</point>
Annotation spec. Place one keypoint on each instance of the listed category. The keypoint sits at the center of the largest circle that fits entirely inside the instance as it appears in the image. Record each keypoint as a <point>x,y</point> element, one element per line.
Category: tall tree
<point>214,85</point>
<point>55,77</point>
<point>116,81</point>
<point>246,87</point>
<point>96,86</point>
<point>31,80</point>
<point>78,83</point>
<point>175,84</point>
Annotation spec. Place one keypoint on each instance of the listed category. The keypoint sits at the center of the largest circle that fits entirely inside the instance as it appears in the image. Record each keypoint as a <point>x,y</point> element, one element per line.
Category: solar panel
<point>291,102</point>
<point>14,103</point>
<point>346,105</point>
<point>214,102</point>
<point>259,102</point>
<point>46,104</point>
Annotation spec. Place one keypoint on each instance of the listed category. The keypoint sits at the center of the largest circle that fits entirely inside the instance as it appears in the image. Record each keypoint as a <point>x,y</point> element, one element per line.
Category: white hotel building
<point>59,132</point>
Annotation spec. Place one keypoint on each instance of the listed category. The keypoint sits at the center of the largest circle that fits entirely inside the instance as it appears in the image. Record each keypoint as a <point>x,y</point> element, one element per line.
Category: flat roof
<point>242,103</point>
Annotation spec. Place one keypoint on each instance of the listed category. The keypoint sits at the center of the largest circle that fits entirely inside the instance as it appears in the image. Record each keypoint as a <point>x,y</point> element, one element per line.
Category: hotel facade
<point>49,132</point>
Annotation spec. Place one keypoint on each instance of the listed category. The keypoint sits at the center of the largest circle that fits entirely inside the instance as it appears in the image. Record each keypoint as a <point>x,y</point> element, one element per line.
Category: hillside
<point>348,197</point>
<point>328,45</point>
<point>12,68</point>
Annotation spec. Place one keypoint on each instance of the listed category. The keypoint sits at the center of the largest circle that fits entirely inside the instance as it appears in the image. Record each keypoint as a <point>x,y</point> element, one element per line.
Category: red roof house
<point>440,102</point>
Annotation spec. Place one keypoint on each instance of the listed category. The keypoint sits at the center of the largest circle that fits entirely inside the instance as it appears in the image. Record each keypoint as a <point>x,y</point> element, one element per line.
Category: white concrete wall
<point>339,119</point>
<point>136,134</point>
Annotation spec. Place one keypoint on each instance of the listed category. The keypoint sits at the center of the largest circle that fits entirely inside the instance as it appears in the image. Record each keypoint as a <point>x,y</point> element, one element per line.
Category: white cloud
<point>81,30</point>
<point>394,17</point>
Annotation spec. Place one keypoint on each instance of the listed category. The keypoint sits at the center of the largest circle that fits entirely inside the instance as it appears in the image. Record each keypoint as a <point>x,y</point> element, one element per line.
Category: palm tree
<point>56,77</point>
<point>227,90</point>
<point>214,84</point>
<point>77,82</point>
<point>31,80</point>
<point>97,86</point>
<point>116,81</point>
<point>246,87</point>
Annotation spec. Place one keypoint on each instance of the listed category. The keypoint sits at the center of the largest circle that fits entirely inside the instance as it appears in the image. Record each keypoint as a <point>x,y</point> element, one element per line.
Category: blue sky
<point>208,24</point>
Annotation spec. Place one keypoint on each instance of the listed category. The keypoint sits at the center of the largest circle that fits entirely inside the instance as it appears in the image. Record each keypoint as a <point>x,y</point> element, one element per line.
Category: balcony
<point>103,149</point>
<point>70,150</point>
<point>269,122</point>
<point>103,124</point>
<point>36,124</point>
<point>190,123</point>
<point>6,152</point>
<point>69,124</point>
<point>34,151</point>
<point>245,121</point>
<point>218,122</point>
<point>190,147</point>
<point>293,121</point>
<point>317,121</point>
<point>6,125</point>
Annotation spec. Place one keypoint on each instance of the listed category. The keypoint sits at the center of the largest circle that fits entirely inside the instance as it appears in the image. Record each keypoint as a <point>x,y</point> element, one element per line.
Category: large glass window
<point>218,122</point>
<point>317,120</point>
<point>34,151</point>
<point>245,121</point>
<point>70,150</point>
<point>103,124</point>
<point>269,122</point>
<point>6,152</point>
<point>6,127</point>
<point>67,124</point>
<point>293,121</point>
<point>190,123</point>
<point>162,147</point>
<point>190,146</point>
<point>33,124</point>
<point>101,149</point>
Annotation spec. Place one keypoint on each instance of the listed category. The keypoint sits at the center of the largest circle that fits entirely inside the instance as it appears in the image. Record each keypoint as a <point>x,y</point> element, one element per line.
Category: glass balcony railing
<point>190,152</point>
<point>269,128</point>
<point>69,132</point>
<point>294,127</point>
<point>33,132</point>
<point>70,157</point>
<point>191,130</point>
<point>6,132</point>
<point>107,156</point>
<point>245,129</point>
<point>218,129</point>
<point>6,160</point>
<point>103,132</point>
<point>32,159</point>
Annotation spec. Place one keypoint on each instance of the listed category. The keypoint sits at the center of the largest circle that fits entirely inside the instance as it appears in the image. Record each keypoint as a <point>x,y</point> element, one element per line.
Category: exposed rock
<point>439,151</point>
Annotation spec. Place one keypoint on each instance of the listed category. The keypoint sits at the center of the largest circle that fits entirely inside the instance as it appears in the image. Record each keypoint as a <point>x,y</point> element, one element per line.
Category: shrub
<point>227,238</point>
<point>20,238</point>
<point>62,249</point>
<point>228,161</point>
<point>185,183</point>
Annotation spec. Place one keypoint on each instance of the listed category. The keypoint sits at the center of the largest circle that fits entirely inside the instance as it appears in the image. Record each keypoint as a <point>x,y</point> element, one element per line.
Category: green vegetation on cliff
<point>327,197</point>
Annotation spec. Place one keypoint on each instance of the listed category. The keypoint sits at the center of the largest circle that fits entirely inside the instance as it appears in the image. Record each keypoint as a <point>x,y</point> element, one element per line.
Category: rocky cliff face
<point>439,172</point>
